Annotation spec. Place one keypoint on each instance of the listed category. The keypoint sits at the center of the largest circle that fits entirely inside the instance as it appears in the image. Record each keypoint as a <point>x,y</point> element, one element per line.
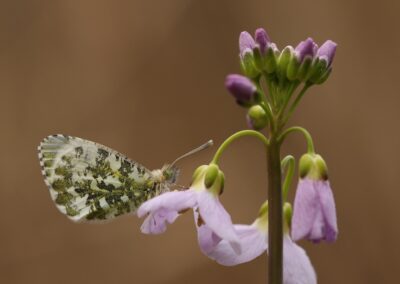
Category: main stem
<point>275,214</point>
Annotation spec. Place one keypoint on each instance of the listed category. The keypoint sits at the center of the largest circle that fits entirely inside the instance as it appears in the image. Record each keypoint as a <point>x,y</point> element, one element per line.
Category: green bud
<point>248,65</point>
<point>304,69</point>
<point>284,60</point>
<point>271,58</point>
<point>257,117</point>
<point>212,173</point>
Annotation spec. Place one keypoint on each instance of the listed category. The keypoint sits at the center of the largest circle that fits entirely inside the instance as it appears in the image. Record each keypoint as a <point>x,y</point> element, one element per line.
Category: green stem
<point>235,136</point>
<point>288,162</point>
<point>296,102</point>
<point>307,135</point>
<point>275,213</point>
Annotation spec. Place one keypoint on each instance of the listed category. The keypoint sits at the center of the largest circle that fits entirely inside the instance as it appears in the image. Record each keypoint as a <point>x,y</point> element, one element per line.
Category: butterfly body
<point>89,181</point>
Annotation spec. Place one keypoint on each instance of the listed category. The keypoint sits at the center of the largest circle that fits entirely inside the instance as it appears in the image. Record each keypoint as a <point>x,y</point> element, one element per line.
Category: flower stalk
<point>275,216</point>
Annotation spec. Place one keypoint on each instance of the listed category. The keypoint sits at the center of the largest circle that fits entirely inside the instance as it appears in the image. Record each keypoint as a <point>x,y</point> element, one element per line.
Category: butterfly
<point>91,182</point>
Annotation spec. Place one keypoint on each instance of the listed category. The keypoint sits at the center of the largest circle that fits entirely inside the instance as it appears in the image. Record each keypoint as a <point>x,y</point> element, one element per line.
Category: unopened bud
<point>257,117</point>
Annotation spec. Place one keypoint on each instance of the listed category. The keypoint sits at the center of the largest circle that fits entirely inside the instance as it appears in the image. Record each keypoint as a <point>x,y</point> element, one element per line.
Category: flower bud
<point>241,88</point>
<point>321,67</point>
<point>305,48</point>
<point>271,58</point>
<point>327,52</point>
<point>299,66</point>
<point>246,43</point>
<point>257,117</point>
<point>284,60</point>
<point>262,39</point>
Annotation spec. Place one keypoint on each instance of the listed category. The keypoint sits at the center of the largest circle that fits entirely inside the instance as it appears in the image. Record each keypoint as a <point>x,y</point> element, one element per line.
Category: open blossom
<point>297,268</point>
<point>314,215</point>
<point>202,197</point>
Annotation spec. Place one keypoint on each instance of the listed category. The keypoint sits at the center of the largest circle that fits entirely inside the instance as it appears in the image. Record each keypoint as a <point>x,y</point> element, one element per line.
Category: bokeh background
<point>146,78</point>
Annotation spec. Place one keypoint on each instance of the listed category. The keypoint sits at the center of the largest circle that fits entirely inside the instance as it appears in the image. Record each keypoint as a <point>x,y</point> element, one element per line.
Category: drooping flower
<point>314,215</point>
<point>202,197</point>
<point>297,268</point>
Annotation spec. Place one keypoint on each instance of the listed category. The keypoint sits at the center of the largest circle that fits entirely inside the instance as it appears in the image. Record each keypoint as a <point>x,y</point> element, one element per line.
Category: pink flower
<point>202,197</point>
<point>297,268</point>
<point>314,215</point>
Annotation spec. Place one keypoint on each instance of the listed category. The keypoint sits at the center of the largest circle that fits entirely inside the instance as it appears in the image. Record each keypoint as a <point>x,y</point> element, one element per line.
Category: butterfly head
<point>170,173</point>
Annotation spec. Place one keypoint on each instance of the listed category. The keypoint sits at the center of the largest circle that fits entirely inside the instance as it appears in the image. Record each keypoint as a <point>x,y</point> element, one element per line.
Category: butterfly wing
<point>89,181</point>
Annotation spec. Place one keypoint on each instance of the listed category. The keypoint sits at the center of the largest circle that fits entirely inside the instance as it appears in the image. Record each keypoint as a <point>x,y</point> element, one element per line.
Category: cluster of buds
<point>284,70</point>
<point>306,63</point>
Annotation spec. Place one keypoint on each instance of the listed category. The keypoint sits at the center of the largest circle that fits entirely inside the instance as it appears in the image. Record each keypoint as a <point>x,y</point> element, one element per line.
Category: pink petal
<point>207,239</point>
<point>306,206</point>
<point>173,200</point>
<point>164,209</point>
<point>329,210</point>
<point>216,218</point>
<point>253,243</point>
<point>156,222</point>
<point>297,268</point>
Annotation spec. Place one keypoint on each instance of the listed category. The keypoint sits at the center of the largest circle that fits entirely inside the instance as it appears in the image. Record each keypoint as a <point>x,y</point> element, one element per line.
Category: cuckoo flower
<point>297,268</point>
<point>314,215</point>
<point>202,196</point>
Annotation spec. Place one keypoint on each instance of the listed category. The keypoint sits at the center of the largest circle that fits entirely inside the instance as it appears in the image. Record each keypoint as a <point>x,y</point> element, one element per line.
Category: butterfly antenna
<point>194,151</point>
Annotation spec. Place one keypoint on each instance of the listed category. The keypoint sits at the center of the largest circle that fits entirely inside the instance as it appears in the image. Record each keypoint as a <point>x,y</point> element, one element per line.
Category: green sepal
<point>321,167</point>
<point>283,61</point>
<point>198,173</point>
<point>211,175</point>
<point>259,60</point>
<point>324,77</point>
<point>287,216</point>
<point>304,68</point>
<point>271,59</point>
<point>313,166</point>
<point>305,164</point>
<point>248,66</point>
<point>293,68</point>
<point>263,209</point>
<point>318,69</point>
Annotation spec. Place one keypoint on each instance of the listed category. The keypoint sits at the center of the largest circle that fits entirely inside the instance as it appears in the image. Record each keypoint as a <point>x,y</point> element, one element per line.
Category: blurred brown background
<point>146,78</point>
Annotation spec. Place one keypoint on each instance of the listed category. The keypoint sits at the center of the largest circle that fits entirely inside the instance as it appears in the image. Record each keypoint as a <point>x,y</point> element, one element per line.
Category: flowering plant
<point>276,228</point>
